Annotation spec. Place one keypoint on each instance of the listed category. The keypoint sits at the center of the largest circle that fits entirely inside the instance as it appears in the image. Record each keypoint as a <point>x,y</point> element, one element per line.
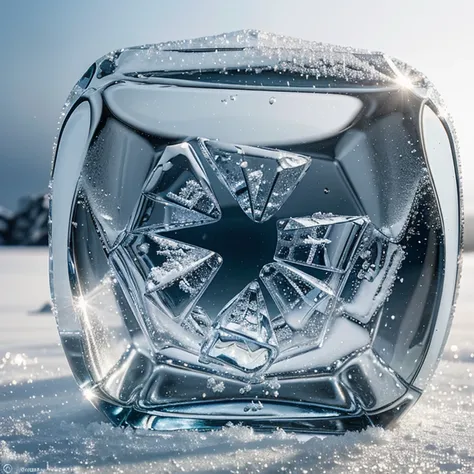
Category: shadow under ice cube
<point>322,241</point>
<point>243,336</point>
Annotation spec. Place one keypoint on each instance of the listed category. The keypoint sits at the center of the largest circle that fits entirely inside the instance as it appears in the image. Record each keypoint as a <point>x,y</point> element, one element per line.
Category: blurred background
<point>48,45</point>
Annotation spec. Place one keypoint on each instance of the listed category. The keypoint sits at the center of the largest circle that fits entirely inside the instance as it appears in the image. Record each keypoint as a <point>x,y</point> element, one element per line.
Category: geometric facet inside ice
<point>243,336</point>
<point>326,242</point>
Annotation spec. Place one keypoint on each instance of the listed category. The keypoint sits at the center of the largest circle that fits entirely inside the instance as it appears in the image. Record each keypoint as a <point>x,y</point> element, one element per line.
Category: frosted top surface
<point>260,51</point>
<point>252,39</point>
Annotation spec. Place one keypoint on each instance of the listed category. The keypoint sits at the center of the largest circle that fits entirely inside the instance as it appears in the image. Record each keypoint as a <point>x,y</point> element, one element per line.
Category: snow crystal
<point>215,386</point>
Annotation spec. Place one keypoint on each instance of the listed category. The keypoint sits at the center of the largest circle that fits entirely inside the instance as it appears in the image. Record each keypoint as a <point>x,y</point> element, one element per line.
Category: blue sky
<point>47,46</point>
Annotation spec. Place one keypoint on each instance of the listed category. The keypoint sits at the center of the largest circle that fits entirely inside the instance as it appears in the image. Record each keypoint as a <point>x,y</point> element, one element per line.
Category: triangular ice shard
<point>243,336</point>
<point>173,275</point>
<point>304,301</point>
<point>260,179</point>
<point>198,322</point>
<point>247,314</point>
<point>179,275</point>
<point>176,195</point>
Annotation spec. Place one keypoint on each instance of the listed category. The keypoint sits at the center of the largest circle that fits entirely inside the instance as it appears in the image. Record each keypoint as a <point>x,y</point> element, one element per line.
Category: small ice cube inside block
<point>322,241</point>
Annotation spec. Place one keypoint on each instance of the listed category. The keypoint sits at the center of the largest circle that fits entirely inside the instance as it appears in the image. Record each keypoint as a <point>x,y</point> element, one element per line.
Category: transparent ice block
<point>256,229</point>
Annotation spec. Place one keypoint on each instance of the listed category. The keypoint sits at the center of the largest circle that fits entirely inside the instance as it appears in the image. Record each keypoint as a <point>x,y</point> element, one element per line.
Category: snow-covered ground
<point>46,425</point>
